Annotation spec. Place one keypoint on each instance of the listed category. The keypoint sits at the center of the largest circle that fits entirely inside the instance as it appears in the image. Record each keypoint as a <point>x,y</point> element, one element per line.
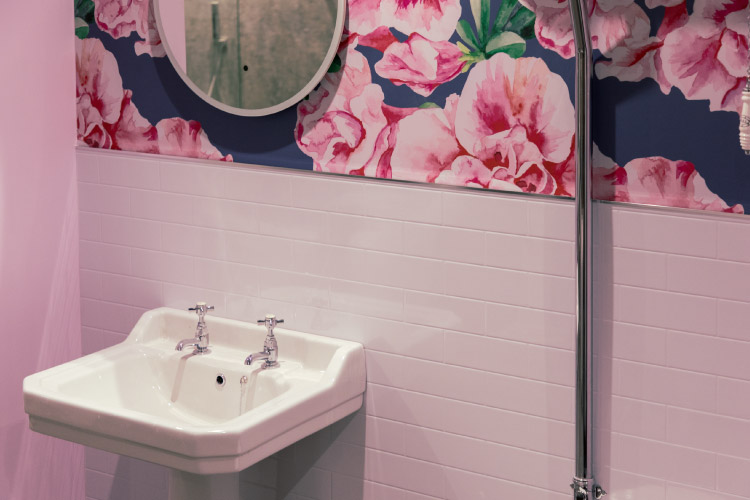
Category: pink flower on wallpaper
<point>433,19</point>
<point>656,181</point>
<point>707,57</point>
<point>345,126</point>
<point>420,64</point>
<point>108,119</point>
<point>120,18</point>
<point>98,92</point>
<point>514,118</point>
<point>611,22</point>
<point>638,58</point>
<point>179,137</point>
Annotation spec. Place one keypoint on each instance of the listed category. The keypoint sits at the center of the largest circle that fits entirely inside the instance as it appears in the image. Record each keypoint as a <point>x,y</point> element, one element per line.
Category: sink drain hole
<point>221,379</point>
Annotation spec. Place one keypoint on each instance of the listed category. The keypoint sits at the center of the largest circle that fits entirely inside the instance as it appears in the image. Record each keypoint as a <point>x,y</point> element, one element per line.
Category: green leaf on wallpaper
<point>428,105</point>
<point>335,65</point>
<point>503,16</point>
<point>508,42</point>
<point>467,35</point>
<point>84,9</point>
<point>522,23</point>
<point>481,11</point>
<point>82,28</point>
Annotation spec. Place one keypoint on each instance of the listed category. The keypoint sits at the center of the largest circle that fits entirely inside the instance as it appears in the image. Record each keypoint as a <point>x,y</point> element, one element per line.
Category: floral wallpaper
<point>474,93</point>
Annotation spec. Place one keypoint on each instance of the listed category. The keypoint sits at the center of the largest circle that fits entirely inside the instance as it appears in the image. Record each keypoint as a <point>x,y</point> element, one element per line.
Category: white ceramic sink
<point>144,399</point>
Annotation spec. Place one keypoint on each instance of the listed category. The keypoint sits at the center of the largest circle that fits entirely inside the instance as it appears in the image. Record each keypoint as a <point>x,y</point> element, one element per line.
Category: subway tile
<point>551,220</point>
<point>444,243</point>
<point>553,293</point>
<point>486,211</point>
<point>293,223</point>
<point>247,184</point>
<point>510,358</point>
<point>368,300</point>
<point>94,339</point>
<point>256,250</point>
<point>89,226</point>
<point>91,284</point>
<point>131,291</point>
<point>371,432</point>
<point>375,333</point>
<point>347,488</point>
<point>116,318</point>
<point>389,200</point>
<point>707,277</point>
<point>225,214</point>
<point>534,326</point>
<point>103,199</point>
<point>293,287</point>
<point>461,485</point>
<point>402,406</point>
<point>734,240</point>
<point>714,355</point>
<point>131,232</point>
<point>633,267</point>
<point>669,386</point>
<point>664,309</point>
<point>195,241</point>
<point>644,230</point>
<point>226,276</point>
<point>620,484</point>
<point>631,342</point>
<point>733,397</point>
<point>161,206</point>
<point>734,318</point>
<point>329,193</point>
<point>507,427</point>
<point>402,472</point>
<point>133,172</point>
<point>315,484</point>
<point>162,266</point>
<point>681,492</point>
<point>191,178</point>
<point>444,312</point>
<point>87,167</point>
<point>103,257</point>
<point>370,267</point>
<point>709,432</point>
<point>489,459</point>
<point>487,284</point>
<point>733,475</point>
<point>524,253</point>
<point>638,418</point>
<point>367,233</point>
<point>661,460</point>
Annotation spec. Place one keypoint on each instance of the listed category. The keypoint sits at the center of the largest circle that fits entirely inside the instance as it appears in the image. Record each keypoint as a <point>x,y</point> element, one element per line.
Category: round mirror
<point>251,57</point>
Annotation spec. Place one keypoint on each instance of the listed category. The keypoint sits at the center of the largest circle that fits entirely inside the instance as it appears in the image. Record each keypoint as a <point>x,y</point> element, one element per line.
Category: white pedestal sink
<point>206,416</point>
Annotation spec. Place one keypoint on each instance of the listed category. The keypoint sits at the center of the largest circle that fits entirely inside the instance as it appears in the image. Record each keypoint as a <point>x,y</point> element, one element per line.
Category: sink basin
<point>202,414</point>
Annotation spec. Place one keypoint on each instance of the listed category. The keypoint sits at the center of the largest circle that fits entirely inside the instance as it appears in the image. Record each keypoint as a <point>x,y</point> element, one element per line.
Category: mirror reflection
<point>252,55</point>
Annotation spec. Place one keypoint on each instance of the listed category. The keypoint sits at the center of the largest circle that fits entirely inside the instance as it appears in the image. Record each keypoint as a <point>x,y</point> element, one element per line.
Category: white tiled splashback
<point>464,302</point>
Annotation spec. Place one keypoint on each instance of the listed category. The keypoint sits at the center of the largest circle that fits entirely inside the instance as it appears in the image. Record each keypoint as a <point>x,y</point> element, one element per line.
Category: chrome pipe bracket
<point>586,489</point>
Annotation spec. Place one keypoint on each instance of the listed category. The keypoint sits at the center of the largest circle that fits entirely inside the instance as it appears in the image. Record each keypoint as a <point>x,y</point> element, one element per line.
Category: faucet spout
<point>258,356</point>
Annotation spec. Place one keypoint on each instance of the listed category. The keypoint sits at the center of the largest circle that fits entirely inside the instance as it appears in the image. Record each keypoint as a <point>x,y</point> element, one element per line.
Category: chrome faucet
<point>270,352</point>
<point>200,341</point>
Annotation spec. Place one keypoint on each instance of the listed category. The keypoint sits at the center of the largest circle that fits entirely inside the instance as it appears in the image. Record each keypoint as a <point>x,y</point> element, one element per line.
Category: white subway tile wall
<point>465,305</point>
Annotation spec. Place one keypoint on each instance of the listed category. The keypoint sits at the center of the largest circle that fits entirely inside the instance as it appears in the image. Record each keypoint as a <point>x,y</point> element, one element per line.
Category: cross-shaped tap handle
<point>270,321</point>
<point>201,309</point>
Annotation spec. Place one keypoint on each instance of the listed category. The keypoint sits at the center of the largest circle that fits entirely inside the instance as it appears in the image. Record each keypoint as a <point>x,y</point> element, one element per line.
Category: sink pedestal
<point>187,486</point>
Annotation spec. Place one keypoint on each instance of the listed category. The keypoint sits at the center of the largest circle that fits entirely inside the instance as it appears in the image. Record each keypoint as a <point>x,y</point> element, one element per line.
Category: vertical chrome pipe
<point>584,486</point>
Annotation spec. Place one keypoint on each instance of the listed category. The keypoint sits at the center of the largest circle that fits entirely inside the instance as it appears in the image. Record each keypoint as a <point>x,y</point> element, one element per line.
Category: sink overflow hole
<point>221,379</point>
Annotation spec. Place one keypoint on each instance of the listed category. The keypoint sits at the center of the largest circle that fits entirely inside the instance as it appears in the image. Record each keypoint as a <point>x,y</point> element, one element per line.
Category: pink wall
<point>38,239</point>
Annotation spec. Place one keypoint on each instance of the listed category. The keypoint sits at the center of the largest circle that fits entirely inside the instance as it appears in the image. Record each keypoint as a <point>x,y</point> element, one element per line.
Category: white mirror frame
<point>338,30</point>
